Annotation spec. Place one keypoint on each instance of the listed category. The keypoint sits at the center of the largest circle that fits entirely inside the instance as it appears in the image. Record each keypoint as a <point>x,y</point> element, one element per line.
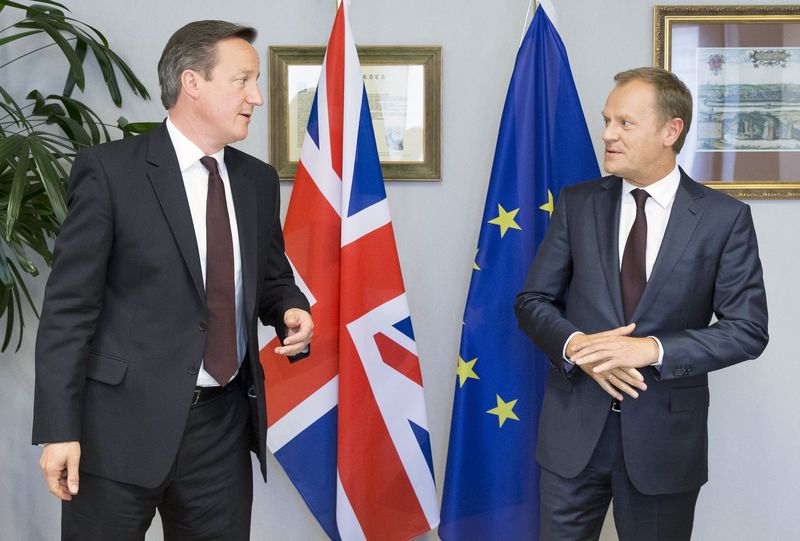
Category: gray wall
<point>754,427</point>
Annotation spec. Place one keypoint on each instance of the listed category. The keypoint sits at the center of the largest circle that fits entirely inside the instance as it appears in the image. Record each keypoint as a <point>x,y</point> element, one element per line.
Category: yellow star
<point>504,410</point>
<point>465,371</point>
<point>475,263</point>
<point>505,220</point>
<point>549,205</point>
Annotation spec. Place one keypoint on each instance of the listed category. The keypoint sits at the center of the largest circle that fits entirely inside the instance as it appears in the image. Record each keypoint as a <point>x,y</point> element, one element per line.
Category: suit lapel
<point>244,201</point>
<point>165,176</point>
<point>686,213</point>
<point>606,213</point>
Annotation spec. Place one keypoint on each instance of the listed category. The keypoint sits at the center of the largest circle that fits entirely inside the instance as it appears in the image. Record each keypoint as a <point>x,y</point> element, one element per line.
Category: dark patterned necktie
<point>633,273</point>
<point>220,358</point>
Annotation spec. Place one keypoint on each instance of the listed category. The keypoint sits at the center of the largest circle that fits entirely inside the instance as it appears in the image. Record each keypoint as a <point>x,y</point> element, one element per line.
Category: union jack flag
<point>349,424</point>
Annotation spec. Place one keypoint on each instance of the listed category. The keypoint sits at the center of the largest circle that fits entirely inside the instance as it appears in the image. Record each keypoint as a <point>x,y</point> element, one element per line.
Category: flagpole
<point>532,4</point>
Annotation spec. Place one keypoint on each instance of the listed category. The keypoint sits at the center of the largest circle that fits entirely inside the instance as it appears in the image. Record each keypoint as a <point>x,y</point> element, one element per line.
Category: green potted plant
<point>39,137</point>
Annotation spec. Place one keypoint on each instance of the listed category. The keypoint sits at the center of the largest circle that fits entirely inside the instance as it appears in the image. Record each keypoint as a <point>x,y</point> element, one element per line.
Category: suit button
<point>202,326</point>
<point>193,370</point>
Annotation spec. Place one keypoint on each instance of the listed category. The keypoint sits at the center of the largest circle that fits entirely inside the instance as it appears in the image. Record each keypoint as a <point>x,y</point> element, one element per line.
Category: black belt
<point>615,406</point>
<point>202,394</point>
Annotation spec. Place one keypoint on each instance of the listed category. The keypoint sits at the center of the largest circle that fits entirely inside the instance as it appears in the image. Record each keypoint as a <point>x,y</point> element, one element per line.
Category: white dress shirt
<point>195,181</point>
<point>657,208</point>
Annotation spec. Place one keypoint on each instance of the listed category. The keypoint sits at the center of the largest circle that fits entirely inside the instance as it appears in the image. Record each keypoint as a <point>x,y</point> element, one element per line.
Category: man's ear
<point>190,83</point>
<point>672,130</point>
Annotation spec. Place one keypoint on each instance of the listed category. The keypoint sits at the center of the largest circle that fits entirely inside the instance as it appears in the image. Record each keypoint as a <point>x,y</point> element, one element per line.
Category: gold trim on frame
<point>430,57</point>
<point>663,19</point>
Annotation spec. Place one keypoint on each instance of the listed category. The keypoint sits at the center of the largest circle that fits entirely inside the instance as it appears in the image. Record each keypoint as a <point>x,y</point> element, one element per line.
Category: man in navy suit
<point>621,298</point>
<point>149,391</point>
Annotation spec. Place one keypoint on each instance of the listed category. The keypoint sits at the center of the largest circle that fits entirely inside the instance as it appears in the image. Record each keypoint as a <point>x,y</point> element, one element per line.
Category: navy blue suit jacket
<point>707,265</point>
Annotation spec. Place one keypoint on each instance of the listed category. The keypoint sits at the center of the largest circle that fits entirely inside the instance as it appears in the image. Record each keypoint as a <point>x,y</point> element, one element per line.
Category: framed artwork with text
<point>742,64</point>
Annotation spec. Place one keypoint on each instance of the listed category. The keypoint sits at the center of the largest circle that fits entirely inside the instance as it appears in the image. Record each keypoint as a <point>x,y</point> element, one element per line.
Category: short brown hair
<point>672,96</point>
<point>194,47</point>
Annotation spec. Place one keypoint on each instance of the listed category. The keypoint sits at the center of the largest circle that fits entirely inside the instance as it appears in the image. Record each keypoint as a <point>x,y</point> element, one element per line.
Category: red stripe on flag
<point>334,83</point>
<point>373,477</point>
<point>312,234</point>
<point>370,273</point>
<point>312,244</point>
<point>399,358</point>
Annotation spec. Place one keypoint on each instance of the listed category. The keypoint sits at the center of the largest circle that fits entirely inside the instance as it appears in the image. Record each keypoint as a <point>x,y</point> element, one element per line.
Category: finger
<point>609,388</point>
<point>301,336</point>
<point>606,366</point>
<point>634,373</point>
<point>589,357</point>
<point>595,344</point>
<point>73,477</point>
<point>633,382</point>
<point>619,331</point>
<point>52,478</point>
<point>289,351</point>
<point>622,386</point>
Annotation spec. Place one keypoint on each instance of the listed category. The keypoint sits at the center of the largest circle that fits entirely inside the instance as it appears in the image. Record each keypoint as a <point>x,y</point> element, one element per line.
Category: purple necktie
<point>633,273</point>
<point>220,358</point>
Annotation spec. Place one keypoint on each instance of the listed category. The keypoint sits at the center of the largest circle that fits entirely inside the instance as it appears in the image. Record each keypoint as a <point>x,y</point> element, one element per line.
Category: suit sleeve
<point>72,303</point>
<point>739,304</point>
<point>278,290</point>
<point>540,305</point>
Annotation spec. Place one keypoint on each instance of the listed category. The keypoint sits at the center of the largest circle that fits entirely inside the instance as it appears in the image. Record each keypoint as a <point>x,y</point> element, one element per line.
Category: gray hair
<point>194,47</point>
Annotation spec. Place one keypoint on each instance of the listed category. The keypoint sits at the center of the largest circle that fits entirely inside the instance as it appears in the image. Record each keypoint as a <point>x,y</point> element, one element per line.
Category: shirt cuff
<point>564,349</point>
<point>660,360</point>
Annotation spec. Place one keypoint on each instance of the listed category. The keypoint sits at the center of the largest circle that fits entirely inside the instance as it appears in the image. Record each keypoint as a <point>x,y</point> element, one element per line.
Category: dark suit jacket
<point>123,324</point>
<point>708,265</point>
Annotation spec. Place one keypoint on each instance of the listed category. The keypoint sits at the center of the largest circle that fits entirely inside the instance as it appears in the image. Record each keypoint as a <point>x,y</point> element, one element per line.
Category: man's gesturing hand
<point>59,464</point>
<point>299,329</point>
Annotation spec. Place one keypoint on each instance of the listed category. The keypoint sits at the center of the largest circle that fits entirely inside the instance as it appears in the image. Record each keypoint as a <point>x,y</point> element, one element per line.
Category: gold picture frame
<point>742,64</point>
<point>403,86</point>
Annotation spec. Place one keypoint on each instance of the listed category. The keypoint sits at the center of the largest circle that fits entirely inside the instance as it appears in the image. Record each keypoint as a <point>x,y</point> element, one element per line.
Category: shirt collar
<point>187,152</point>
<point>662,191</point>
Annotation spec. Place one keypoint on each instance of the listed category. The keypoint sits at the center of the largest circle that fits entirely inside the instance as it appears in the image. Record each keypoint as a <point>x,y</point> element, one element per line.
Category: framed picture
<point>742,64</point>
<point>403,87</point>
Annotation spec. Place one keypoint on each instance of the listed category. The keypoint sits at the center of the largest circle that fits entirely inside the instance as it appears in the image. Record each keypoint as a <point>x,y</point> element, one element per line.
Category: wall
<point>754,427</point>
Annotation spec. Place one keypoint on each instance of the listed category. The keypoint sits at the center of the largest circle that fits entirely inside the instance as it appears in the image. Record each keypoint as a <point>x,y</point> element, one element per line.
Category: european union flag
<point>491,488</point>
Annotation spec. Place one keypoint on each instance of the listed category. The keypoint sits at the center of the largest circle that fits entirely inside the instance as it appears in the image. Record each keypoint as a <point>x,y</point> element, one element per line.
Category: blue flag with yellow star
<point>491,488</point>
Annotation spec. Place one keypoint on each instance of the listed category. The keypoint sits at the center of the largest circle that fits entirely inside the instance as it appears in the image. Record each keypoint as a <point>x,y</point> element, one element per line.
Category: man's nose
<point>255,98</point>
<point>609,133</point>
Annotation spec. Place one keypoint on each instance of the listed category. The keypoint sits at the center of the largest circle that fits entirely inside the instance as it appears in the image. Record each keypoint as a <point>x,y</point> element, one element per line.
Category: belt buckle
<point>196,397</point>
<point>615,406</point>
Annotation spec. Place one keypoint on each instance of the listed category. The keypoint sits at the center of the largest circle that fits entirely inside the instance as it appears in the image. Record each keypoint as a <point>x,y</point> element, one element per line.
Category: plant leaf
<point>53,183</point>
<point>17,188</point>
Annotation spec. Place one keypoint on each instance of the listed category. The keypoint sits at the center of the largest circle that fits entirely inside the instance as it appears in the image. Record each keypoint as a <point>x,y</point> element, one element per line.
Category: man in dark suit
<point>148,380</point>
<point>621,297</point>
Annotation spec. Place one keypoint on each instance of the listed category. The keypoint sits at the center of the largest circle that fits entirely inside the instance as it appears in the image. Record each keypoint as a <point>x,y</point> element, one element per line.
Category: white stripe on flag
<point>391,388</point>
<point>365,222</point>
<point>346,520</point>
<point>303,415</point>
<point>318,165</point>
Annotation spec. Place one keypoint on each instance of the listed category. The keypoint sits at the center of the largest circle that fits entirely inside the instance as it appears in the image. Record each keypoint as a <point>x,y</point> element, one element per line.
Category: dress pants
<point>207,494</point>
<point>574,509</point>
